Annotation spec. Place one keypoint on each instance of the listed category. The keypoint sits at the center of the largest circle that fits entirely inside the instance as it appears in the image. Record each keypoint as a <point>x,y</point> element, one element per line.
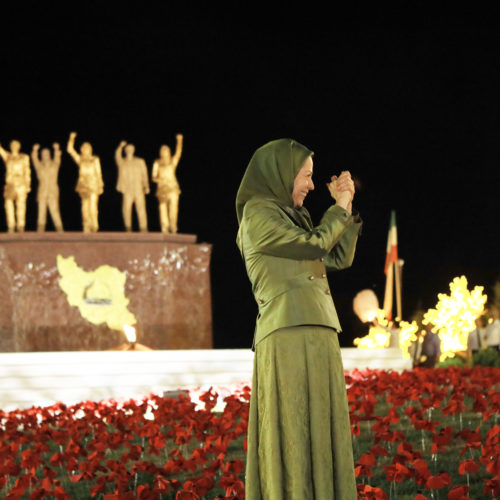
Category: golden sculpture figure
<point>17,185</point>
<point>47,170</point>
<point>133,184</point>
<point>168,190</point>
<point>89,185</point>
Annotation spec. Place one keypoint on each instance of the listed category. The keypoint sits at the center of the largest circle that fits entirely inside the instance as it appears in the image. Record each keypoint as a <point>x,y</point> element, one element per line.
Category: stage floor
<point>44,378</point>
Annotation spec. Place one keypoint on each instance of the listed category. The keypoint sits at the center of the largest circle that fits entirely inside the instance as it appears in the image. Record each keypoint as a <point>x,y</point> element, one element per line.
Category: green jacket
<point>287,259</point>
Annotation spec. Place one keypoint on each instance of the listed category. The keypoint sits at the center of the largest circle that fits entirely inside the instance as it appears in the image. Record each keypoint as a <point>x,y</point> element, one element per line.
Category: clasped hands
<point>342,190</point>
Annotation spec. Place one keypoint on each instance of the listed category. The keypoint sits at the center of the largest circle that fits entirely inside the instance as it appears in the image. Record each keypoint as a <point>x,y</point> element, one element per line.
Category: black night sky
<point>407,101</point>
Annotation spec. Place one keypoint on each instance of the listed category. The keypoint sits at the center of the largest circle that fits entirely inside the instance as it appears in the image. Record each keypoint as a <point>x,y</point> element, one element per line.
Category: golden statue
<point>89,185</point>
<point>168,190</point>
<point>133,184</point>
<point>17,185</point>
<point>47,170</point>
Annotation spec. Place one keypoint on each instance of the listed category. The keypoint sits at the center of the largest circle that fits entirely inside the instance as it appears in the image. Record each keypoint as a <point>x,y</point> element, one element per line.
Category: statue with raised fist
<point>17,185</point>
<point>47,171</point>
<point>133,183</point>
<point>168,190</point>
<point>90,185</point>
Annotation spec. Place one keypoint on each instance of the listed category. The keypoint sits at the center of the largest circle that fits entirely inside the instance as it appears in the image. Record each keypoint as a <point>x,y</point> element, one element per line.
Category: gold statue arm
<point>71,148</point>
<point>145,180</point>
<point>119,153</point>
<point>34,156</point>
<point>98,173</point>
<point>57,154</point>
<point>178,150</point>
<point>27,171</point>
<point>4,154</point>
<point>154,174</point>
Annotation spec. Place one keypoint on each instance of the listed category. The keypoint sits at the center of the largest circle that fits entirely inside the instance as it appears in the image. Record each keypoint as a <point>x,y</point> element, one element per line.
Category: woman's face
<point>303,183</point>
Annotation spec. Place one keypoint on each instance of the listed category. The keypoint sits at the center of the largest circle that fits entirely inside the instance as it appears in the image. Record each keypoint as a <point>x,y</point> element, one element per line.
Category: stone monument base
<point>166,288</point>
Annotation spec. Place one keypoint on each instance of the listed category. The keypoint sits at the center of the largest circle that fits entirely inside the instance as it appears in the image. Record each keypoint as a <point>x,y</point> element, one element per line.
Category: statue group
<point>132,182</point>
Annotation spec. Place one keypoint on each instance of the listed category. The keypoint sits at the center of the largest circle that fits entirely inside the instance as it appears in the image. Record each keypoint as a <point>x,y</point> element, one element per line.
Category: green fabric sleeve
<point>342,254</point>
<point>271,232</point>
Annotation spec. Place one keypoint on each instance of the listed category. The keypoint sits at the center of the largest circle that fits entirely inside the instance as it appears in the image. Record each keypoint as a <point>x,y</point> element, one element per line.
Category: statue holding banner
<point>168,189</point>
<point>47,171</point>
<point>133,183</point>
<point>90,185</point>
<point>17,185</point>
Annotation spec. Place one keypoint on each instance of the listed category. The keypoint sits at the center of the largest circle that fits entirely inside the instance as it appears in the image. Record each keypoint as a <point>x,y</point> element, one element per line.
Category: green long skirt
<point>299,440</point>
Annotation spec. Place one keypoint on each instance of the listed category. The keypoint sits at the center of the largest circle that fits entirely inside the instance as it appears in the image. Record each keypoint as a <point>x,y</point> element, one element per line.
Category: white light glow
<point>129,332</point>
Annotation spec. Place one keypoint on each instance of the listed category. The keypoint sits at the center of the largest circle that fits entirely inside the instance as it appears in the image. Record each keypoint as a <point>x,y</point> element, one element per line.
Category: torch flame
<point>129,332</point>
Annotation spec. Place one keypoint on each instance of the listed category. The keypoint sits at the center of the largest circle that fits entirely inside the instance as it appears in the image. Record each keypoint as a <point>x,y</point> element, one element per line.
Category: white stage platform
<point>43,378</point>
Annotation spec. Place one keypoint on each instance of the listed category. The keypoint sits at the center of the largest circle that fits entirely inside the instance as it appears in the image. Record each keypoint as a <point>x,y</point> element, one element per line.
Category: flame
<point>129,332</point>
<point>454,315</point>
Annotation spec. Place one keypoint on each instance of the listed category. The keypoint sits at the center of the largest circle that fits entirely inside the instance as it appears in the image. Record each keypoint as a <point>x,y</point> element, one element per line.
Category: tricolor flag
<point>392,270</point>
<point>391,257</point>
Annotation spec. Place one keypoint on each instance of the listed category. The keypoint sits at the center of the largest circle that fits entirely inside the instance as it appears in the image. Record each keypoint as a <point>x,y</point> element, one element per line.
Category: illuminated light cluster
<point>454,315</point>
<point>378,336</point>
<point>407,335</point>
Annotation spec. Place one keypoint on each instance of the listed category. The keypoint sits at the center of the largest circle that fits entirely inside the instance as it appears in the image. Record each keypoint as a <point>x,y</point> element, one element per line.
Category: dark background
<point>408,101</point>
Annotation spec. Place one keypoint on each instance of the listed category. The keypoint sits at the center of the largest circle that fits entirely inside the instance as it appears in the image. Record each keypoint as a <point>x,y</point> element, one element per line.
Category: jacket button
<point>311,277</point>
<point>323,275</point>
<point>260,301</point>
<point>322,259</point>
<point>328,292</point>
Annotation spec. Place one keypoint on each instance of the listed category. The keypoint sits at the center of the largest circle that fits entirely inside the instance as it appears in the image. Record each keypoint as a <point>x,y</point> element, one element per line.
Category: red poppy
<point>492,486</point>
<point>367,492</point>
<point>363,470</point>
<point>144,492</point>
<point>458,492</point>
<point>468,466</point>
<point>379,450</point>
<point>186,495</point>
<point>438,482</point>
<point>396,472</point>
<point>493,467</point>
<point>367,459</point>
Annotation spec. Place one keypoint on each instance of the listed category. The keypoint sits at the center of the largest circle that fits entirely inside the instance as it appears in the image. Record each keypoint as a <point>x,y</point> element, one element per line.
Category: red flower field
<point>426,433</point>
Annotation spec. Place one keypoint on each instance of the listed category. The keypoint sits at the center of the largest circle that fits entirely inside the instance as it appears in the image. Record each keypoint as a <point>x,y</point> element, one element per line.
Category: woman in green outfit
<point>299,441</point>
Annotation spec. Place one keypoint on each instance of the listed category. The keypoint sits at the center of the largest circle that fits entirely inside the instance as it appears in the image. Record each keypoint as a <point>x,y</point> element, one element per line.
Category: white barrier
<point>43,378</point>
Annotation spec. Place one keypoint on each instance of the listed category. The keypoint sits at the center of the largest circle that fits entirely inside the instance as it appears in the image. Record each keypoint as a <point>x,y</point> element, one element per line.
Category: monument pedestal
<point>167,286</point>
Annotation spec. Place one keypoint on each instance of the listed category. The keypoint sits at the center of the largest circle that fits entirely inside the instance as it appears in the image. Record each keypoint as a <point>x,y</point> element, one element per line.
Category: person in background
<point>431,348</point>
<point>493,329</point>
<point>477,337</point>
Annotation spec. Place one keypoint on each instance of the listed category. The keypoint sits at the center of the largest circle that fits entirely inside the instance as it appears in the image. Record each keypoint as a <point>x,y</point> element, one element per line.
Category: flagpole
<point>397,277</point>
<point>389,292</point>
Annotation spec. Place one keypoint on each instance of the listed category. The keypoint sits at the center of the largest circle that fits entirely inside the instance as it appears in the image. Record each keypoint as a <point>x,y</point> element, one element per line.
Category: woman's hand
<point>342,190</point>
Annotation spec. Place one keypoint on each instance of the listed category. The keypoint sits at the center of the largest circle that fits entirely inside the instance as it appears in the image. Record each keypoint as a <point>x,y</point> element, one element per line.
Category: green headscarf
<point>271,173</point>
